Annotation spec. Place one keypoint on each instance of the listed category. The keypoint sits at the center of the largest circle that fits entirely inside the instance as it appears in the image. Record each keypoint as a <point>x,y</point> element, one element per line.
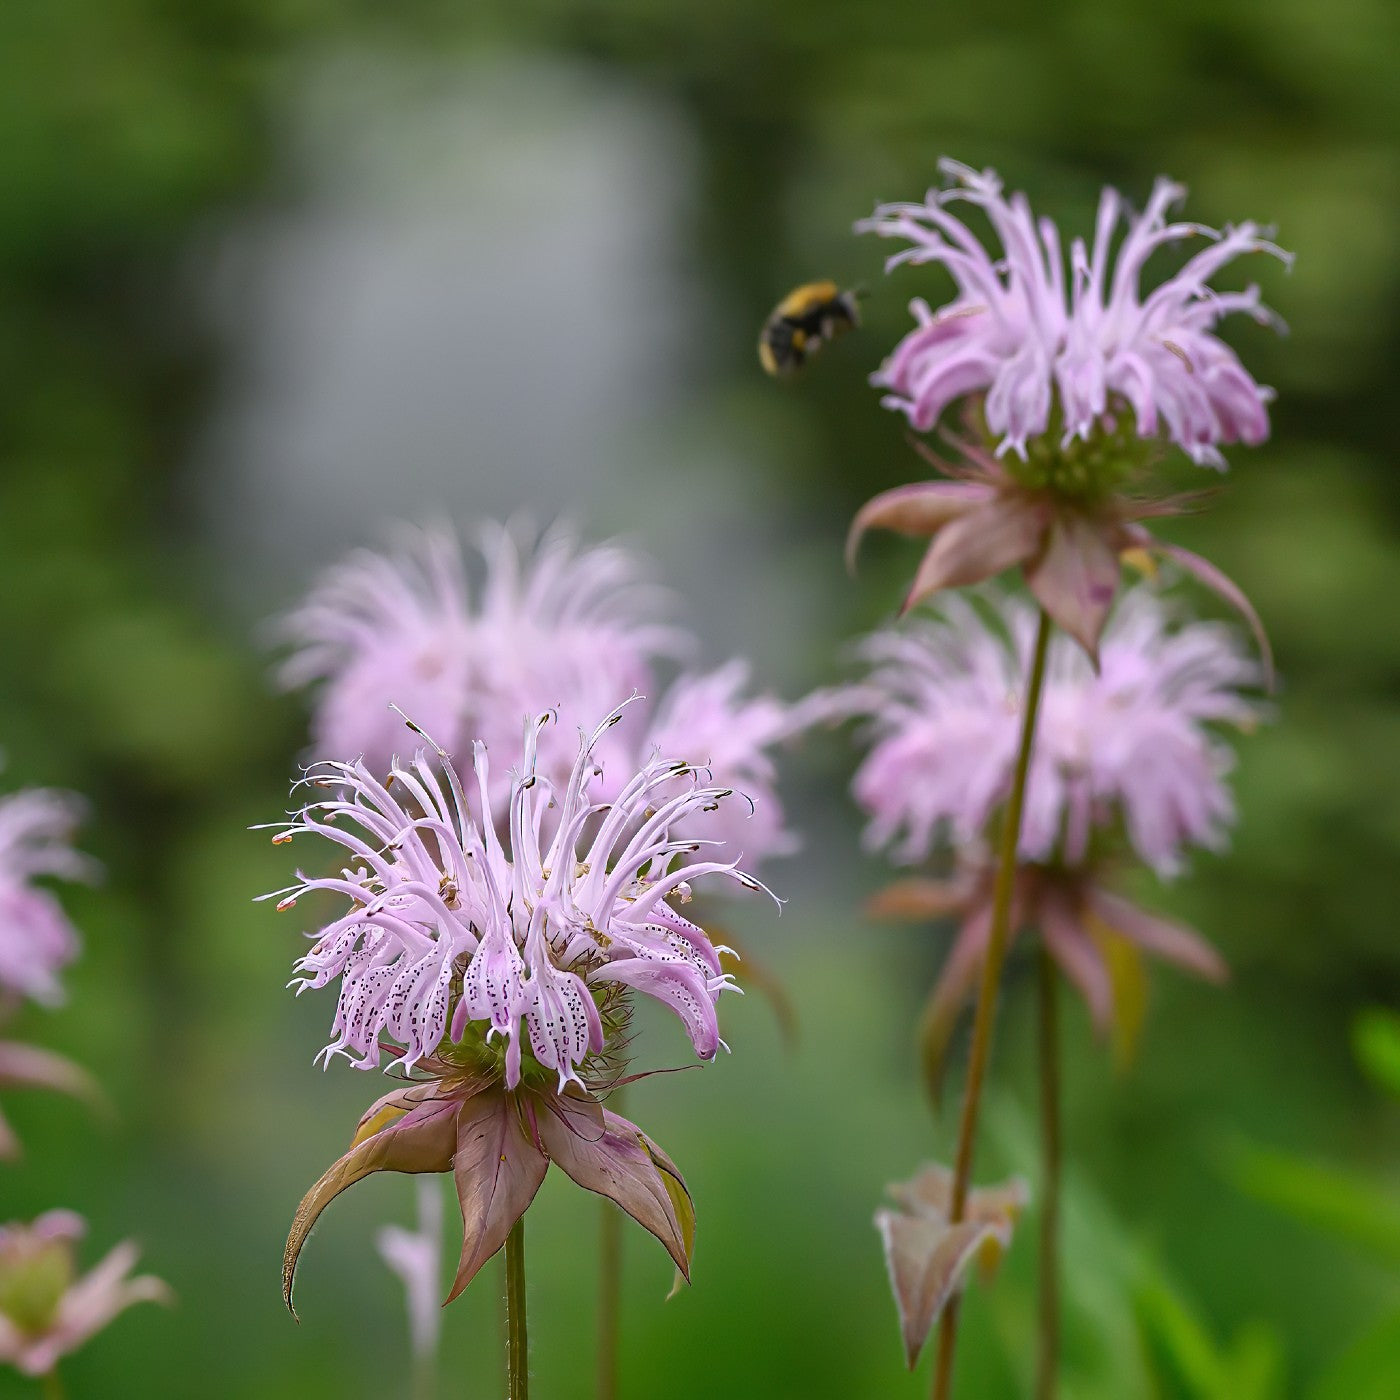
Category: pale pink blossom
<point>552,625</point>
<point>1069,344</point>
<point>707,720</point>
<point>37,941</point>
<point>449,929</point>
<point>46,1309</point>
<point>1134,745</point>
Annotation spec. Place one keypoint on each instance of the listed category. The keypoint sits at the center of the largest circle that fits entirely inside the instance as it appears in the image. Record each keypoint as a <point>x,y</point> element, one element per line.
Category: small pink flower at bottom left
<point>46,1309</point>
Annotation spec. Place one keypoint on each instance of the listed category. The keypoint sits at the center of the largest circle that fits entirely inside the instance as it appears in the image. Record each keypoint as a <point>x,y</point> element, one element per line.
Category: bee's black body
<point>802,322</point>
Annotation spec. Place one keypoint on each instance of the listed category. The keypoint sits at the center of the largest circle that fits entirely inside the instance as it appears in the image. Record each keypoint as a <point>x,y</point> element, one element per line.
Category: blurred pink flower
<point>552,625</point>
<point>1069,349</point>
<point>46,1310</point>
<point>706,720</point>
<point>36,939</point>
<point>448,935</point>
<point>1132,744</point>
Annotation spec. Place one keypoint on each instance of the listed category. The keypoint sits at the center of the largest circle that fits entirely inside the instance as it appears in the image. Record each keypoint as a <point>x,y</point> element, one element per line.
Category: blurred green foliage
<point>129,126</point>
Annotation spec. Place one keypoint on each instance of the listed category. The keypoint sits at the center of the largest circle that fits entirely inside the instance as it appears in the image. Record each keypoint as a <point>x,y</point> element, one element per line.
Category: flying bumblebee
<point>802,323</point>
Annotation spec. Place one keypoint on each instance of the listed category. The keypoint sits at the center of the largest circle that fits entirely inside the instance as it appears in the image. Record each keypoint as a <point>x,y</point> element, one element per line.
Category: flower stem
<point>987,994</point>
<point>1048,1351</point>
<point>609,1299</point>
<point>517,1339</point>
<point>53,1385</point>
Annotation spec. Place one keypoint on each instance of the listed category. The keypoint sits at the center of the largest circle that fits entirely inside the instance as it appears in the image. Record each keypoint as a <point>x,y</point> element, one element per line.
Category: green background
<point>134,132</point>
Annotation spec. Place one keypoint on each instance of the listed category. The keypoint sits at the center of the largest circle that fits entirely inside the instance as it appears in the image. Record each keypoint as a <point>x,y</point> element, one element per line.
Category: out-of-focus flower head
<point>1129,755</point>
<point>1134,743</point>
<point>554,624</point>
<point>416,1257</point>
<point>1071,351</point>
<point>707,720</point>
<point>503,972</point>
<point>1070,377</point>
<point>36,939</point>
<point>46,1309</point>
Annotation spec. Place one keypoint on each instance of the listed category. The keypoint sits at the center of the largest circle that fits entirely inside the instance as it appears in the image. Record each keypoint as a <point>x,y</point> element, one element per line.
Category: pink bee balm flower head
<point>1130,751</point>
<point>36,939</point>
<point>502,967</point>
<point>46,1309</point>
<point>1132,743</point>
<point>451,930</point>
<point>550,624</point>
<point>1070,349</point>
<point>707,720</point>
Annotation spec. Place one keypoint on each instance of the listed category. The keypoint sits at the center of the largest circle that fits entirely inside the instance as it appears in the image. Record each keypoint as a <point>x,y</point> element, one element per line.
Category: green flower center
<point>33,1284</point>
<point>1085,470</point>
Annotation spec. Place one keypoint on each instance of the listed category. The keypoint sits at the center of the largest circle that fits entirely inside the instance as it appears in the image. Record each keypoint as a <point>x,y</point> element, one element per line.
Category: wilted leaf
<point>927,1257</point>
<point>421,1140</point>
<point>928,1260</point>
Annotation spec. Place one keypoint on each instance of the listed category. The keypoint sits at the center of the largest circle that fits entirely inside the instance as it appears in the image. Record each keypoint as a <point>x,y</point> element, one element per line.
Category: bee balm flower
<point>1073,374</point>
<point>503,973</point>
<point>550,624</point>
<point>1129,754</point>
<point>1070,350</point>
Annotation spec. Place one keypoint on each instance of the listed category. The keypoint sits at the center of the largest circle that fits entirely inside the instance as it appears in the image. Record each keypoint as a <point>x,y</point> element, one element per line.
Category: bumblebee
<point>802,323</point>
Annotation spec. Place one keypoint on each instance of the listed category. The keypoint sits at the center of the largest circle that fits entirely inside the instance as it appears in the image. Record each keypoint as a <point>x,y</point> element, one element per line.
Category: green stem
<point>1048,1353</point>
<point>53,1385</point>
<point>609,1299</point>
<point>517,1338</point>
<point>987,994</point>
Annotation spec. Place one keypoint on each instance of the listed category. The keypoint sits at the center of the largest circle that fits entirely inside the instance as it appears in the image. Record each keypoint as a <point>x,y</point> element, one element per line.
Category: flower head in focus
<point>46,1309</point>
<point>502,974</point>
<point>1078,350</point>
<point>551,623</point>
<point>1072,377</point>
<point>1128,758</point>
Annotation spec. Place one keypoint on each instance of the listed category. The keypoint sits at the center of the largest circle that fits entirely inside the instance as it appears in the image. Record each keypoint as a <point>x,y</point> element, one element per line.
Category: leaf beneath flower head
<point>1218,582</point>
<point>1172,941</point>
<point>918,898</point>
<point>928,1261</point>
<point>980,544</point>
<point>421,1140</point>
<point>922,508</point>
<point>1078,957</point>
<point>949,995</point>
<point>622,1165</point>
<point>498,1169</point>
<point>1075,578</point>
